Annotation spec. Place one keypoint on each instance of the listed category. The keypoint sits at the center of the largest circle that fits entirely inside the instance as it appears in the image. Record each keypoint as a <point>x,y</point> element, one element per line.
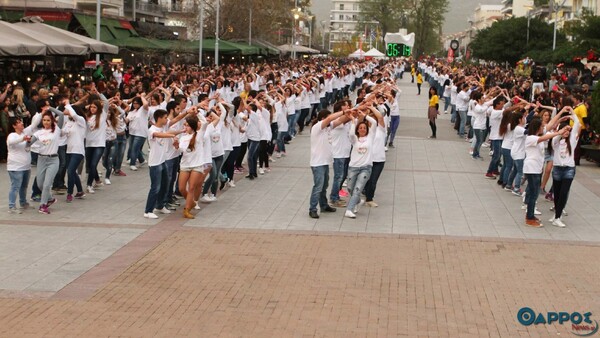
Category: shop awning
<point>93,46</point>
<point>243,49</point>
<point>16,43</point>
<point>110,29</point>
<point>56,44</point>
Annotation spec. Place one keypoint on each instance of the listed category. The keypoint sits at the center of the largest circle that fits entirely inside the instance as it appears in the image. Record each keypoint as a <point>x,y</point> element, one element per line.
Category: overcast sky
<point>456,18</point>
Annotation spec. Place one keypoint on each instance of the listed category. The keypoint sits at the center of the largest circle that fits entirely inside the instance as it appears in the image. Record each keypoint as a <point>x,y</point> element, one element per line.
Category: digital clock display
<point>397,49</point>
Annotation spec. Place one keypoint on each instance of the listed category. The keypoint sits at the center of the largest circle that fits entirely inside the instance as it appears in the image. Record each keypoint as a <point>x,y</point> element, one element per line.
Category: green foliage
<point>506,41</point>
<point>426,19</point>
<point>594,113</point>
<point>388,13</point>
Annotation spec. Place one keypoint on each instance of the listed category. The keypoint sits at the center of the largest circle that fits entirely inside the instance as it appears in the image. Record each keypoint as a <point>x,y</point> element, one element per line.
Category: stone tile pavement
<point>445,254</point>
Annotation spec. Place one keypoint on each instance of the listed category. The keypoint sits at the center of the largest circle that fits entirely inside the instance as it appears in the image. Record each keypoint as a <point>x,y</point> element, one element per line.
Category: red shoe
<point>490,176</point>
<point>119,173</point>
<point>343,193</point>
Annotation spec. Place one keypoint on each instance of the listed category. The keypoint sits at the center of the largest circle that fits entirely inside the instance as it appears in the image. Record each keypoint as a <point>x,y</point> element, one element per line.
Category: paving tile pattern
<point>245,283</point>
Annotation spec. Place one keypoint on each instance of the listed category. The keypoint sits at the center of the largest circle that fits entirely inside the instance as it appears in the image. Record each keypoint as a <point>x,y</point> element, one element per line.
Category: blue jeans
<point>19,180</point>
<point>252,156</point>
<point>108,157</point>
<point>291,126</point>
<point>453,113</point>
<point>319,190</point>
<point>212,183</point>
<point>357,179</point>
<point>469,123</point>
<point>394,124</point>
<point>562,178</point>
<point>280,142</point>
<point>158,187</point>
<point>92,158</point>
<point>496,146</point>
<point>340,167</point>
<point>516,174</point>
<point>73,162</point>
<point>507,165</point>
<point>323,103</point>
<point>446,103</point>
<point>372,182</point>
<point>119,146</point>
<point>170,165</point>
<point>136,143</point>
<point>479,134</point>
<point>532,192</point>
<point>463,121</point>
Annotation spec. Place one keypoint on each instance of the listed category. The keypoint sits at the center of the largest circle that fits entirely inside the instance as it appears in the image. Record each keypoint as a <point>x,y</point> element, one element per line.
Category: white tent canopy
<point>93,46</point>
<point>374,53</point>
<point>359,53</point>
<point>298,48</point>
<point>15,43</point>
<point>56,45</point>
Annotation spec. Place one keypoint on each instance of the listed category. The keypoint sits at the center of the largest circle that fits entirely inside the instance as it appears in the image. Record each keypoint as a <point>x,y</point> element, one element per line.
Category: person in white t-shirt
<point>75,128</point>
<point>340,145</point>
<point>159,179</point>
<point>517,152</point>
<point>137,118</point>
<point>377,156</point>
<point>362,138</point>
<point>191,173</point>
<point>495,138</point>
<point>320,157</point>
<point>95,139</point>
<point>18,165</point>
<point>534,164</point>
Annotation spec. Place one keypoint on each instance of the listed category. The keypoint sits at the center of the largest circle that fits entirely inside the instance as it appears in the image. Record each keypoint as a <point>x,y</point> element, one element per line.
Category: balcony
<point>145,8</point>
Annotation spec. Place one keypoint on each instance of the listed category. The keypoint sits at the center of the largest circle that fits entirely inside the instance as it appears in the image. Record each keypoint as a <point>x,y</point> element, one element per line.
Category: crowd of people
<point>202,125</point>
<point>534,126</point>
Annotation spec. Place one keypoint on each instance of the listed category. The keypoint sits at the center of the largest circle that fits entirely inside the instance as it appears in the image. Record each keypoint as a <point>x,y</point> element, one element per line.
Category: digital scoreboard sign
<point>397,49</point>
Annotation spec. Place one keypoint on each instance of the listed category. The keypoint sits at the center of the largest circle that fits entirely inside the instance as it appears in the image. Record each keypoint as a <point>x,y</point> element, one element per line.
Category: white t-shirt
<point>216,147</point>
<point>562,157</point>
<point>320,145</point>
<point>495,119</point>
<point>19,159</point>
<point>340,141</point>
<point>265,125</point>
<point>362,147</point>
<point>171,151</point>
<point>138,122</point>
<point>96,137</point>
<point>75,131</point>
<point>48,141</point>
<point>158,146</point>
<point>189,158</point>
<point>378,154</point>
<point>253,130</point>
<point>517,152</point>
<point>281,116</point>
<point>534,158</point>
<point>507,142</point>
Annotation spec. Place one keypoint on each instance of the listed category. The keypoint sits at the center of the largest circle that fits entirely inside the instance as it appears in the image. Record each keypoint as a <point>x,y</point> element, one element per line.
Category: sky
<point>456,18</point>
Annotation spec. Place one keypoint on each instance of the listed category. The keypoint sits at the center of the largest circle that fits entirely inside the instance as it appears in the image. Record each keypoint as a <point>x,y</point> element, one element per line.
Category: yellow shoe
<point>188,214</point>
<point>372,204</point>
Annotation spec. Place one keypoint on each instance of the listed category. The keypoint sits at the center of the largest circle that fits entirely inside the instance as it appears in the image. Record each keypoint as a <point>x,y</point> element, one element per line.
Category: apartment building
<point>344,20</point>
<point>485,15</point>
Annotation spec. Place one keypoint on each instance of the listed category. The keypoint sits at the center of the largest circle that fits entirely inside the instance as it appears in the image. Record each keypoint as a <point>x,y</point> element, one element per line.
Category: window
<point>354,17</point>
<point>341,7</point>
<point>341,17</point>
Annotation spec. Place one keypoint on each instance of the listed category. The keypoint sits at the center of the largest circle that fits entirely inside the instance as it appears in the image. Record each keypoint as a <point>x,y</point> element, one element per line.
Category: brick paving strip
<point>208,282</point>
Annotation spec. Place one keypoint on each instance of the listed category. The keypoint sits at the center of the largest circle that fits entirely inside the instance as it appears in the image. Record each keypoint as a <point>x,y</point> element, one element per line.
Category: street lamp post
<point>201,35</point>
<point>555,8</point>
<point>323,33</point>
<point>217,34</point>
<point>296,17</point>
<point>250,26</point>
<point>310,18</point>
<point>98,8</point>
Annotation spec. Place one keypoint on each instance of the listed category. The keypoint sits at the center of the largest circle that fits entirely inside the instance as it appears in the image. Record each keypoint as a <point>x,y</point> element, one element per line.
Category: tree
<point>506,40</point>
<point>388,13</point>
<point>426,18</point>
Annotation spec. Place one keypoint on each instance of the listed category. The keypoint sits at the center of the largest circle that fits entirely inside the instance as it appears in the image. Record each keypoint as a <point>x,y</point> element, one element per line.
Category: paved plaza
<point>446,253</point>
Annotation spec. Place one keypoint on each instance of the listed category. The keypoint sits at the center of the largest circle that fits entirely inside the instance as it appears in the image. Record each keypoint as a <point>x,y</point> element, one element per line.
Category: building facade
<point>344,20</point>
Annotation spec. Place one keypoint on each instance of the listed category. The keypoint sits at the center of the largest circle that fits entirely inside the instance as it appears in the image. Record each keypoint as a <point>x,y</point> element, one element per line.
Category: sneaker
<point>277,155</point>
<point>170,207</point>
<point>36,198</point>
<point>548,197</point>
<point>534,223</point>
<point>385,148</point>
<point>261,171</point>
<point>490,176</point>
<point>80,195</point>
<point>150,215</point>
<point>391,145</point>
<point>339,204</point>
<point>164,210</point>
<point>496,173</point>
<point>212,197</point>
<point>283,153</point>
<point>44,209</point>
<point>107,181</point>
<point>517,192</point>
<point>205,199</point>
<point>559,223</point>
<point>268,169</point>
<point>343,193</point>
<point>313,214</point>
<point>14,210</point>
<point>537,212</point>
<point>485,145</point>
<point>98,184</point>
<point>120,173</point>
<point>69,198</point>
<point>271,159</point>
<point>372,204</point>
<point>25,206</point>
<point>50,202</point>
<point>349,214</point>
<point>90,190</point>
<point>196,205</point>
<point>471,153</point>
<point>231,184</point>
<point>141,164</point>
<point>133,168</point>
<point>507,188</point>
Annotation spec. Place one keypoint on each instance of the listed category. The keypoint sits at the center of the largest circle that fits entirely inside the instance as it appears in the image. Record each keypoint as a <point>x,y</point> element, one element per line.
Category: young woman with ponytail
<point>191,169</point>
